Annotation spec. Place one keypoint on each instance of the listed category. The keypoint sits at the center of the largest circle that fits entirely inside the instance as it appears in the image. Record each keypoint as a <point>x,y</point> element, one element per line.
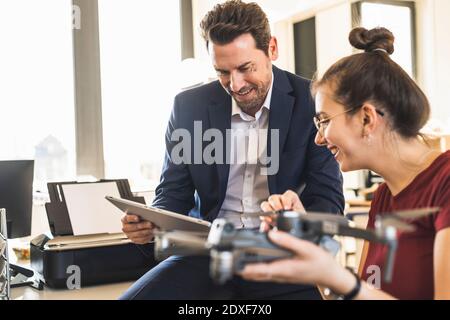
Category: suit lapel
<point>281,107</point>
<point>220,118</point>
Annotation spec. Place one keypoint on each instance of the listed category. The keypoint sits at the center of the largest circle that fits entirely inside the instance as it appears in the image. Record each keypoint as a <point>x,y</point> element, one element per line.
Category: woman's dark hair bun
<point>371,40</point>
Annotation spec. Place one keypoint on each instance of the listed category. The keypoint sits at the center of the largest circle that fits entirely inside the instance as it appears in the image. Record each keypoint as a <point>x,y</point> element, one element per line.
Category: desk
<point>100,292</point>
<point>358,203</point>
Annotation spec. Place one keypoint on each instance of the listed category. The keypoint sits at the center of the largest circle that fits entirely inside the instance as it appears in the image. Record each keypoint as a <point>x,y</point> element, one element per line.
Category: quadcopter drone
<point>231,249</point>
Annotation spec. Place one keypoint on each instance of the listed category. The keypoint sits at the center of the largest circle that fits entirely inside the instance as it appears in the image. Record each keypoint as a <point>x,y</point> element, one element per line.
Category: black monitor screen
<point>16,196</point>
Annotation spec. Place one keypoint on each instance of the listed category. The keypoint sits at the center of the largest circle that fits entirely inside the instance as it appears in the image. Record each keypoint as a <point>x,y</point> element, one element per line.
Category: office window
<point>305,48</point>
<point>140,56</point>
<point>397,16</point>
<point>36,81</point>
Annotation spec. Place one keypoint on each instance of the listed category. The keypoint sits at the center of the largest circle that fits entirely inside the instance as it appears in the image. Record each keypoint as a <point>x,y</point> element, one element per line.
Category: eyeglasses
<point>321,124</point>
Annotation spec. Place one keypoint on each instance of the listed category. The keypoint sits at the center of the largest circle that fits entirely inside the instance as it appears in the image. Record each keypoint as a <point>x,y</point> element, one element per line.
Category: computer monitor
<point>16,196</point>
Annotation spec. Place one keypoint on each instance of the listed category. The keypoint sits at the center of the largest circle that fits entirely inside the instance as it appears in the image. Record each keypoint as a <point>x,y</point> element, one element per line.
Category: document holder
<point>99,258</point>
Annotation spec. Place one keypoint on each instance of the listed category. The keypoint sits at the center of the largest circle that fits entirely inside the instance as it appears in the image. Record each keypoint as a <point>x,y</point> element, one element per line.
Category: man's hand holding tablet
<point>137,230</point>
<point>141,221</point>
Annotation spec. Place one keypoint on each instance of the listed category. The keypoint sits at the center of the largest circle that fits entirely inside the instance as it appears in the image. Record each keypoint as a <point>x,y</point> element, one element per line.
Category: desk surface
<point>100,292</point>
<point>358,203</point>
<point>353,210</point>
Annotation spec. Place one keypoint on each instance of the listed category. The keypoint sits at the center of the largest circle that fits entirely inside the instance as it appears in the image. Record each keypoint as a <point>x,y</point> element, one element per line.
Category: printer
<point>100,258</point>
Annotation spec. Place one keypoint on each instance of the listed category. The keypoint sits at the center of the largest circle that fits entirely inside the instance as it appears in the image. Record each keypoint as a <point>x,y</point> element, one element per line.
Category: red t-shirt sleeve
<point>442,218</point>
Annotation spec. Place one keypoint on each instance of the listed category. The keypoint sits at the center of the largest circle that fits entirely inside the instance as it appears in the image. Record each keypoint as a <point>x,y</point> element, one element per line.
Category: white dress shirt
<point>247,187</point>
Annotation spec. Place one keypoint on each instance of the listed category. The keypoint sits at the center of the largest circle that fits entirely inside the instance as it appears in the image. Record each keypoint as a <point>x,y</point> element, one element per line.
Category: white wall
<point>332,28</point>
<point>442,45</point>
<point>283,31</point>
<point>199,9</point>
<point>433,28</point>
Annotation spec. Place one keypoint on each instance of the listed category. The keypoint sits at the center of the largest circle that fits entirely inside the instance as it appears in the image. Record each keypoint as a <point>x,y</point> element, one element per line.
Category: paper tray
<point>87,241</point>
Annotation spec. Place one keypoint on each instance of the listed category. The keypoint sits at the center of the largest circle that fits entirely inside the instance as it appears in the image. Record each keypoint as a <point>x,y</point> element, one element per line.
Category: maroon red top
<point>413,276</point>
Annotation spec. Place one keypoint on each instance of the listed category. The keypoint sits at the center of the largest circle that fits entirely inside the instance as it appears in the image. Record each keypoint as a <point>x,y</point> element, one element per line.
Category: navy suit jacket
<point>199,189</point>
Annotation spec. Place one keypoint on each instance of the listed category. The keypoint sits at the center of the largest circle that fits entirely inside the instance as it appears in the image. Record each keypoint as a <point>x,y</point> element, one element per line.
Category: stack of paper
<point>89,211</point>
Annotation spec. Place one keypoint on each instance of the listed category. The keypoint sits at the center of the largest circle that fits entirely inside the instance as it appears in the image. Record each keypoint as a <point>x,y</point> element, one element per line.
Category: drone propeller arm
<point>389,265</point>
<point>358,233</point>
<point>371,236</point>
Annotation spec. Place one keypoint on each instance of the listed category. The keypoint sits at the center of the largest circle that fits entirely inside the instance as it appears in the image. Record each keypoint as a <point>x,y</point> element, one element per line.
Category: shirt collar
<point>235,110</point>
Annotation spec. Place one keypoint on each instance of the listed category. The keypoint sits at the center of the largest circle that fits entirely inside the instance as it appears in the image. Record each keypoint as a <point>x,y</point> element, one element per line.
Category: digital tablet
<point>165,220</point>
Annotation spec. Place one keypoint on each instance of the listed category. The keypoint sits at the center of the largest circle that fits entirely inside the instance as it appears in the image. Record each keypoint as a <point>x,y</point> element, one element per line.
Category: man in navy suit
<point>232,143</point>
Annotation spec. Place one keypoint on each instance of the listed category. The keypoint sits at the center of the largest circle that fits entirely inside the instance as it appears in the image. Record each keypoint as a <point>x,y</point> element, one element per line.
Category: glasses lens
<point>317,122</point>
<point>319,125</point>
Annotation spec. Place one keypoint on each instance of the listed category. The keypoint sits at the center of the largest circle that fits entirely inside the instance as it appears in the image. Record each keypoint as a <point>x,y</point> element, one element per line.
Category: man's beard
<point>257,102</point>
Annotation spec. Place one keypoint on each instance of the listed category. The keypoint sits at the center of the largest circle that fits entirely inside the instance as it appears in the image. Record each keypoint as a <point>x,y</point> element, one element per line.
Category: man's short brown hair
<point>233,18</point>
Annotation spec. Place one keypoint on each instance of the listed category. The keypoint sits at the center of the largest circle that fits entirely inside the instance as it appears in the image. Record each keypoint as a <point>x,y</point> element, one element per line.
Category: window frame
<point>87,82</point>
<point>90,159</point>
<point>356,22</point>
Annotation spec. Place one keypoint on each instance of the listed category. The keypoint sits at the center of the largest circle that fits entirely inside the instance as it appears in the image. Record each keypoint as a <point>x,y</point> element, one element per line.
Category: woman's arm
<point>441,254</point>
<point>362,261</point>
<point>309,265</point>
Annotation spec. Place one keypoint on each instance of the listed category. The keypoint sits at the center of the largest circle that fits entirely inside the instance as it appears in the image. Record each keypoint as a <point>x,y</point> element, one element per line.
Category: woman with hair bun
<point>370,113</point>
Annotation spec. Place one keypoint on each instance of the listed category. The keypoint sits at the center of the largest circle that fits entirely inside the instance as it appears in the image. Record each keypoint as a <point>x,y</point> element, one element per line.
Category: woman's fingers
<point>292,243</point>
<point>266,224</point>
<point>277,271</point>
<point>257,272</point>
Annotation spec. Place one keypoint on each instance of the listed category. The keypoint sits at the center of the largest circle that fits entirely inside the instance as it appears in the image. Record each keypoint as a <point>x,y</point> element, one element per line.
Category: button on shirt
<point>247,187</point>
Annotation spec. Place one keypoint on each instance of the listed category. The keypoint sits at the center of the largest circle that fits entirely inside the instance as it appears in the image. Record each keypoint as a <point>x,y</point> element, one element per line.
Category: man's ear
<point>273,49</point>
<point>368,118</point>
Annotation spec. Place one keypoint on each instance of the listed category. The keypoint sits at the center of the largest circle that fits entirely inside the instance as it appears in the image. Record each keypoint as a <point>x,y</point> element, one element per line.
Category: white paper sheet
<point>88,209</point>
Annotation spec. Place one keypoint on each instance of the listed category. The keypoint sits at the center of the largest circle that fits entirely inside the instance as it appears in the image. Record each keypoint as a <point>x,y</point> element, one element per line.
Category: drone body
<point>231,249</point>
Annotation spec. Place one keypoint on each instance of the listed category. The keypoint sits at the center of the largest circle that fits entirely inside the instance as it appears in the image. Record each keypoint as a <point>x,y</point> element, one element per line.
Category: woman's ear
<point>369,118</point>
